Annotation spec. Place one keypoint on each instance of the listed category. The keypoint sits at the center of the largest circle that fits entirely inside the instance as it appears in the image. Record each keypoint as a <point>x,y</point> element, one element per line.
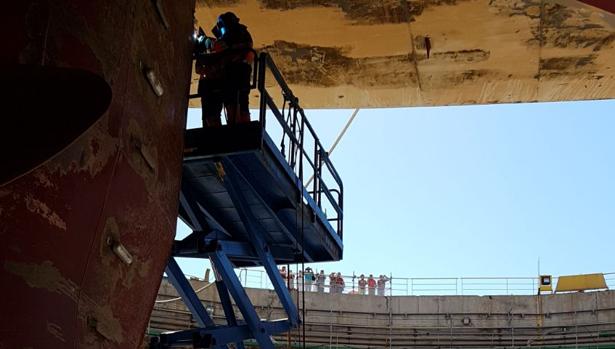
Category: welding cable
<point>179,298</point>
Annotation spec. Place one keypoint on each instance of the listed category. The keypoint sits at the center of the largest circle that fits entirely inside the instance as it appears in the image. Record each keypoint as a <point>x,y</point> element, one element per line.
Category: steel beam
<point>218,336</point>
<point>225,299</point>
<point>185,290</point>
<point>198,245</point>
<point>256,232</point>
<point>225,268</point>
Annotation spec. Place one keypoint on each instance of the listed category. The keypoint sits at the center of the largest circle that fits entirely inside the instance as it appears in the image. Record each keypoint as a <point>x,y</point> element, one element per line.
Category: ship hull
<point>86,230</point>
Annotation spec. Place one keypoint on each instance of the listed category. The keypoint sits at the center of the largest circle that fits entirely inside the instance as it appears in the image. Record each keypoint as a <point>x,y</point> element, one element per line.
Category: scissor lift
<point>245,200</point>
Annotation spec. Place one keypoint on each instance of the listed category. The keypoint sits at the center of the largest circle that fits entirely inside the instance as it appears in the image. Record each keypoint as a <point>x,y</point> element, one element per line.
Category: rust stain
<point>43,179</point>
<point>36,206</point>
<point>463,56</point>
<point>45,276</point>
<point>56,331</point>
<point>104,322</point>
<point>143,154</point>
<point>557,25</point>
<point>145,268</point>
<point>97,152</point>
<point>330,66</point>
<point>358,11</point>
<point>568,66</point>
<point>90,153</point>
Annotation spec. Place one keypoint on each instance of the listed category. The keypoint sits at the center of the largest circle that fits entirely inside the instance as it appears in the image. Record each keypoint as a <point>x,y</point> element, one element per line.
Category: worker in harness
<point>225,69</point>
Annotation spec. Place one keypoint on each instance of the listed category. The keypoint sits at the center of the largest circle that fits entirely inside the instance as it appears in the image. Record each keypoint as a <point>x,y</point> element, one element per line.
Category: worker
<point>332,283</point>
<point>309,279</point>
<point>283,273</point>
<point>291,280</point>
<point>382,280</point>
<point>225,71</point>
<point>371,285</point>
<point>320,282</point>
<point>339,280</point>
<point>236,45</point>
<point>210,68</point>
<point>362,285</point>
<point>299,278</point>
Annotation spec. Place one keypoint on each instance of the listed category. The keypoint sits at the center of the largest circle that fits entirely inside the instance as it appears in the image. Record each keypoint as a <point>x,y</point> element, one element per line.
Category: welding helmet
<point>226,20</point>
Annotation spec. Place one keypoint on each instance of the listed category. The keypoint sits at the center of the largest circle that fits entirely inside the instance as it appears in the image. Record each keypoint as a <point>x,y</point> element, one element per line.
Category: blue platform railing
<point>298,142</point>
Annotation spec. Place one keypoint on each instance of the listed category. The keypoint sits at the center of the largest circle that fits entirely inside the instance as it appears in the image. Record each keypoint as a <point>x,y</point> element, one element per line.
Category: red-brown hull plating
<point>116,185</point>
<point>607,5</point>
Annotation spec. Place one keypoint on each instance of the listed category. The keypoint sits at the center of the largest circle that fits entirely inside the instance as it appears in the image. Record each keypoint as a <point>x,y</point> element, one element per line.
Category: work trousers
<point>232,91</point>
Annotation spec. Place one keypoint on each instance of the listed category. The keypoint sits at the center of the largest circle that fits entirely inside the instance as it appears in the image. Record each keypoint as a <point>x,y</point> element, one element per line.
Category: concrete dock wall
<point>423,321</point>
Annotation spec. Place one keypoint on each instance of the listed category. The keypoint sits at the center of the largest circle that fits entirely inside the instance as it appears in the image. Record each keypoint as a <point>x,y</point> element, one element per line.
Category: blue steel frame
<point>211,335</point>
<point>227,282</point>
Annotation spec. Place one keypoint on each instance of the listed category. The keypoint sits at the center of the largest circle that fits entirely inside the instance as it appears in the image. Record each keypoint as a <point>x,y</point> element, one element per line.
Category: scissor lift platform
<point>247,203</point>
<point>291,220</point>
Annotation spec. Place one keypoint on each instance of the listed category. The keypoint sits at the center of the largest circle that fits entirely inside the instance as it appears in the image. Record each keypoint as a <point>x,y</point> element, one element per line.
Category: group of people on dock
<point>311,281</point>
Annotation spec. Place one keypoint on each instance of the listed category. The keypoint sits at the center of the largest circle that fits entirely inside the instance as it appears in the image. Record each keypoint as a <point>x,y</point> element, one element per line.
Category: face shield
<point>221,26</point>
<point>216,31</point>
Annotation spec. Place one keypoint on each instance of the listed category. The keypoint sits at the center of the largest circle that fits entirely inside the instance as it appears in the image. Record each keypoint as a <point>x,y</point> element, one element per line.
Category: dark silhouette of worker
<point>225,70</point>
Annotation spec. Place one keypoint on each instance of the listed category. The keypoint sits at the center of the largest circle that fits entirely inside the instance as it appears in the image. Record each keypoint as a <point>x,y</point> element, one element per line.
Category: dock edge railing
<point>427,286</point>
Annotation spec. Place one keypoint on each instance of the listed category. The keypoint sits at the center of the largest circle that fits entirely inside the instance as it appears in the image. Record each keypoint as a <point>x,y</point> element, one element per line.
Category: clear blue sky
<point>473,191</point>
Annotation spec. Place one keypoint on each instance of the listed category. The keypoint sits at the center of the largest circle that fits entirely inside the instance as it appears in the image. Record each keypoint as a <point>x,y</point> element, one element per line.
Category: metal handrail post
<point>261,66</point>
<point>316,174</point>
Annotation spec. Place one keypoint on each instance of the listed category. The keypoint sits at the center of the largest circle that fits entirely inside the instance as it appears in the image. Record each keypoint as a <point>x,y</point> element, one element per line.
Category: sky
<point>472,191</point>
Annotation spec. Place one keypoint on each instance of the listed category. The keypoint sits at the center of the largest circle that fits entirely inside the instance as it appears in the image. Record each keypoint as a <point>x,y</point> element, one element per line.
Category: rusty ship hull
<point>86,229</point>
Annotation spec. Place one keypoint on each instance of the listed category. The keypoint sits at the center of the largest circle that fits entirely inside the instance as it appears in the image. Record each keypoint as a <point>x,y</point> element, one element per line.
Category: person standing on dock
<point>320,282</point>
<point>362,285</point>
<point>308,277</point>
<point>339,281</point>
<point>291,280</point>
<point>332,283</point>
<point>371,285</point>
<point>299,278</point>
<point>283,273</point>
<point>382,281</point>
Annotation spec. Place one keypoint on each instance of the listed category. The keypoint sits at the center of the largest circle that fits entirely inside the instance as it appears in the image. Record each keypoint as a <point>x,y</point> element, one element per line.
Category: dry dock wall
<point>577,319</point>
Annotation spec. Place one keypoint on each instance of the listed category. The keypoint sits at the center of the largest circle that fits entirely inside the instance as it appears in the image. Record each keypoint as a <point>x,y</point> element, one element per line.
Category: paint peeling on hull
<point>67,287</point>
<point>44,276</point>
